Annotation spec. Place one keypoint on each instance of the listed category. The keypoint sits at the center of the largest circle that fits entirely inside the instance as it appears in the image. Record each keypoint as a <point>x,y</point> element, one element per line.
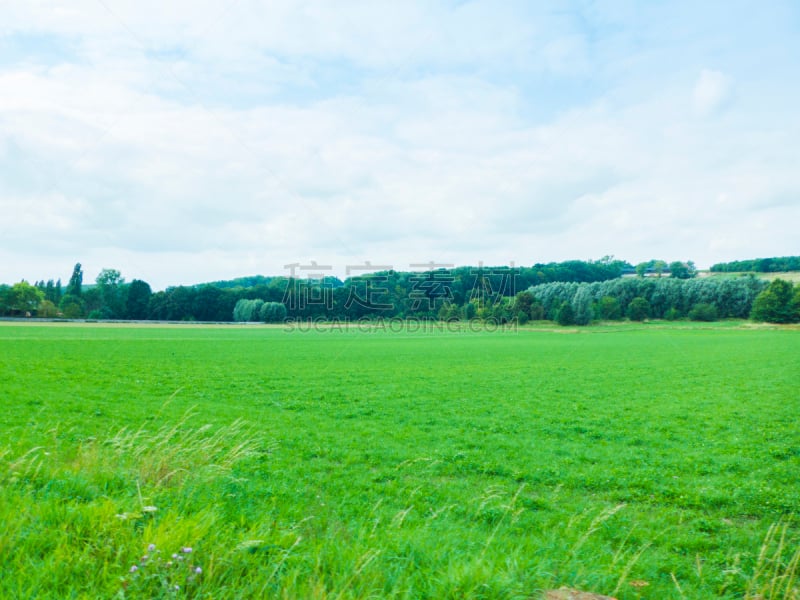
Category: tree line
<point>586,291</point>
<point>778,264</point>
<point>111,297</point>
<point>638,299</point>
<point>647,298</point>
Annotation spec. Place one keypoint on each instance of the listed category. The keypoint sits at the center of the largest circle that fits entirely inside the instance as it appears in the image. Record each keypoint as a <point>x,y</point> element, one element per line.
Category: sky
<point>182,142</point>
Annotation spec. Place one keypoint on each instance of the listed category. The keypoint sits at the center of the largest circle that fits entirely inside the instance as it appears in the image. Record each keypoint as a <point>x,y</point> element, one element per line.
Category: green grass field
<point>793,276</point>
<point>352,464</point>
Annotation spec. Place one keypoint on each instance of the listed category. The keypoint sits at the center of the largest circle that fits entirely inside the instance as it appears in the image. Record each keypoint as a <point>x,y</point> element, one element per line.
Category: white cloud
<point>186,142</point>
<point>711,92</point>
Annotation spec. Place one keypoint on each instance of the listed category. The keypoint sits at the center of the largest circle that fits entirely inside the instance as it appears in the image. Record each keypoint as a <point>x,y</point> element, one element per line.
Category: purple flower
<point>134,568</point>
<point>198,570</point>
<point>186,550</point>
<point>151,547</point>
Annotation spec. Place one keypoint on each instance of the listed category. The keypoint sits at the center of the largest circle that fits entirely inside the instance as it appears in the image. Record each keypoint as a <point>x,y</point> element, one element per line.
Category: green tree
<point>470,310</point>
<point>92,298</point>
<point>566,315</point>
<point>537,311</point>
<point>111,294</point>
<point>582,306</point>
<point>273,312</point>
<point>47,310</point>
<point>109,278</point>
<point>74,287</point>
<point>247,310</point>
<point>682,270</point>
<point>138,299</point>
<point>776,304</point>
<point>522,304</point>
<point>484,311</point>
<point>214,304</point>
<point>5,295</point>
<point>72,307</point>
<point>638,309</point>
<point>24,298</point>
<point>176,304</point>
<point>654,265</point>
<point>52,291</point>
<point>449,311</point>
<point>609,309</point>
<point>501,311</point>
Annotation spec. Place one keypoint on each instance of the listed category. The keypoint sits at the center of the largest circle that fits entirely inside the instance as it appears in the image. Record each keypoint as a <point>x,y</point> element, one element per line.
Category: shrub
<point>47,310</point>
<point>469,311</point>
<point>609,309</point>
<point>672,314</point>
<point>537,312</point>
<point>638,309</point>
<point>703,312</point>
<point>566,315</point>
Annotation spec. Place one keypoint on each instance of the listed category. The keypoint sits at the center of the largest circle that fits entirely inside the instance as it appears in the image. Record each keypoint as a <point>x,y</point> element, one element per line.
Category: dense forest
<point>571,292</point>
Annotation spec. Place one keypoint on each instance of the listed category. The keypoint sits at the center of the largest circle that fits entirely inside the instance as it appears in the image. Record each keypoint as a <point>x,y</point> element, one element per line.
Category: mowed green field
<point>645,461</point>
<point>793,276</point>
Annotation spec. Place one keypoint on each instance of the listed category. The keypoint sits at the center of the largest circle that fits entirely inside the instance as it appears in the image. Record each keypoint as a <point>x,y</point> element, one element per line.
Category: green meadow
<point>639,461</point>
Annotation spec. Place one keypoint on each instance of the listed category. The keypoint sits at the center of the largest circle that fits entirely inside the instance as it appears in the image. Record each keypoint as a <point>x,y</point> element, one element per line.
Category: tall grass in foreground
<point>76,511</point>
<point>776,573</point>
<point>164,458</point>
<point>147,514</point>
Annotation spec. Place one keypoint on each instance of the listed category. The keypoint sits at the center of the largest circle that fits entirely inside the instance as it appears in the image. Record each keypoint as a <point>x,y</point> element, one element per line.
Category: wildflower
<point>186,550</point>
<point>134,568</point>
<point>149,509</point>
<point>151,547</point>
<point>198,570</point>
